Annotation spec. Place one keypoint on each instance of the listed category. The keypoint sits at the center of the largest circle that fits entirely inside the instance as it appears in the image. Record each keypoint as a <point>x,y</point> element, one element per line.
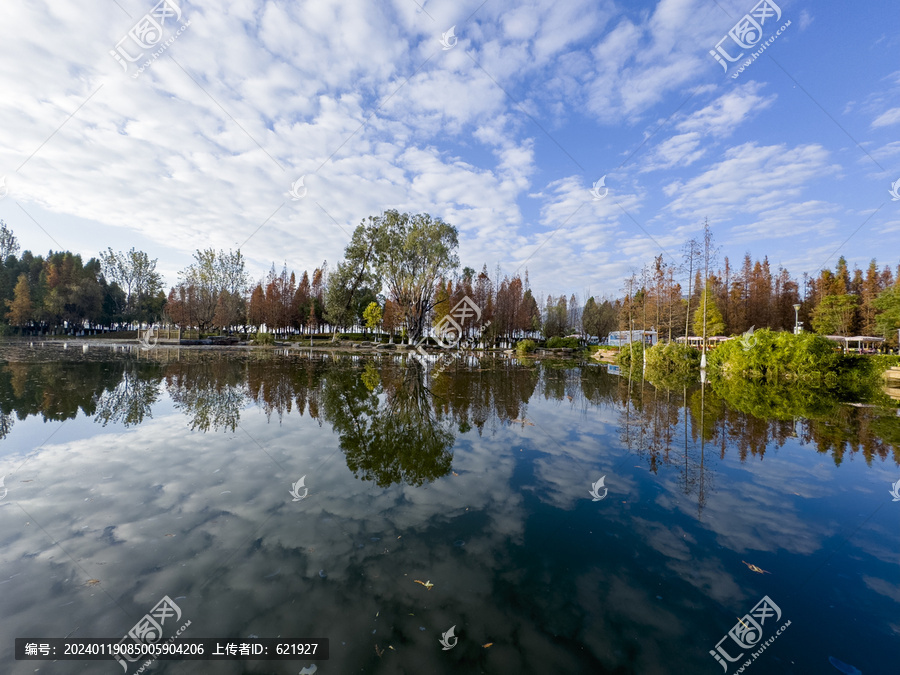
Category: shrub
<point>525,346</point>
<point>778,356</point>
<point>672,365</point>
<point>557,342</point>
<point>264,338</point>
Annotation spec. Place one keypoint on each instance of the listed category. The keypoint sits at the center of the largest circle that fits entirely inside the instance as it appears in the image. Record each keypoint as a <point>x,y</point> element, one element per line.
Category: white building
<point>623,337</point>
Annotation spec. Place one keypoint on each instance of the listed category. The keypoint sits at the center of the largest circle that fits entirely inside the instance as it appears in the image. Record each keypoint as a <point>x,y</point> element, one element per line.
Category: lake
<point>559,518</point>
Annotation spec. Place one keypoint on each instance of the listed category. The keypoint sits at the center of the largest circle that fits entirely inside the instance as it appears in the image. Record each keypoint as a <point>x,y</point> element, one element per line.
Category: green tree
<point>136,274</point>
<point>412,253</point>
<point>556,317</point>
<point>355,276</point>
<point>835,314</point>
<point>373,315</point>
<point>590,318</point>
<point>529,314</point>
<point>715,324</point>
<point>609,317</point>
<point>888,318</point>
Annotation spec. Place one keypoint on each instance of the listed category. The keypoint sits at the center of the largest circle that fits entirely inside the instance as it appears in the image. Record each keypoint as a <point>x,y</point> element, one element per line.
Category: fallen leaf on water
<point>378,651</point>
<point>487,645</point>
<point>92,582</point>
<point>455,474</point>
<point>518,421</point>
<point>170,535</point>
<point>426,584</point>
<point>754,568</point>
<point>391,647</point>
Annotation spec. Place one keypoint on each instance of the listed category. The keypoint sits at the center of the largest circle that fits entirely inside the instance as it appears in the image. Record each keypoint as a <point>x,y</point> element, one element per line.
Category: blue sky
<point>502,134</point>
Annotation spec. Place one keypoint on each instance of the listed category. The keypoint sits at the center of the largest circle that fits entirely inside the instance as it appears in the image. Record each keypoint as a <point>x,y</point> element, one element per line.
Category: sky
<point>577,140</point>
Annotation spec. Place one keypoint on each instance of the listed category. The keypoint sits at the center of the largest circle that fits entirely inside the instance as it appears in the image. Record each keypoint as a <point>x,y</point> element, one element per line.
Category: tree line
<point>685,297</point>
<point>400,275</point>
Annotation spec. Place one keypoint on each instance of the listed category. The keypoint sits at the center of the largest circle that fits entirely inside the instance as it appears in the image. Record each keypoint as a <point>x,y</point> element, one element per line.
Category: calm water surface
<point>130,476</point>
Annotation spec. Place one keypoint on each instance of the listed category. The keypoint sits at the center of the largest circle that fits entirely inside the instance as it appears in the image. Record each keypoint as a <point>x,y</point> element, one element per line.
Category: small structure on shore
<point>862,344</point>
<point>696,341</point>
<point>620,338</point>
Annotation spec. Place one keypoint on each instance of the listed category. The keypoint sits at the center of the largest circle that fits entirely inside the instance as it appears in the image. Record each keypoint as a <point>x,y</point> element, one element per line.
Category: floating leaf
<point>754,568</point>
<point>426,584</point>
<point>487,645</point>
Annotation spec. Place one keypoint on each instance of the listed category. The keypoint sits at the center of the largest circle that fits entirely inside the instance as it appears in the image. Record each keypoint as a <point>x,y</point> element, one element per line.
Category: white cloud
<point>887,118</point>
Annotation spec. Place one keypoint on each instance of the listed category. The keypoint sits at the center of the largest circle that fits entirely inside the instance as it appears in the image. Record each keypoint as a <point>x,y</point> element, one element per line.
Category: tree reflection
<point>390,433</point>
<point>55,390</point>
<point>397,418</point>
<point>133,397</point>
<point>211,393</point>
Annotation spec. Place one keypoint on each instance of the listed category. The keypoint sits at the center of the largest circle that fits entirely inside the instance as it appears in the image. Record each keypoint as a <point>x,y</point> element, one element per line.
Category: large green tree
<point>408,254</point>
<point>351,287</point>
<point>135,273</point>
<point>835,314</point>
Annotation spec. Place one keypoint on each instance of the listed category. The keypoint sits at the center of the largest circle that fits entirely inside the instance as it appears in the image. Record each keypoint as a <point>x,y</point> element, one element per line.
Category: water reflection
<point>475,479</point>
<point>397,421</point>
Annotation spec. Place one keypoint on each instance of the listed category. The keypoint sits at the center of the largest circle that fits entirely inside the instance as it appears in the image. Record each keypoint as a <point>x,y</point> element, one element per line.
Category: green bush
<point>525,346</point>
<point>264,338</point>
<point>779,356</point>
<point>672,365</point>
<point>557,342</point>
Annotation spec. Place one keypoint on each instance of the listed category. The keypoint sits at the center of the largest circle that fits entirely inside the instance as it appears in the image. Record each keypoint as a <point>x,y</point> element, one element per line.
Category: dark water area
<point>558,517</point>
